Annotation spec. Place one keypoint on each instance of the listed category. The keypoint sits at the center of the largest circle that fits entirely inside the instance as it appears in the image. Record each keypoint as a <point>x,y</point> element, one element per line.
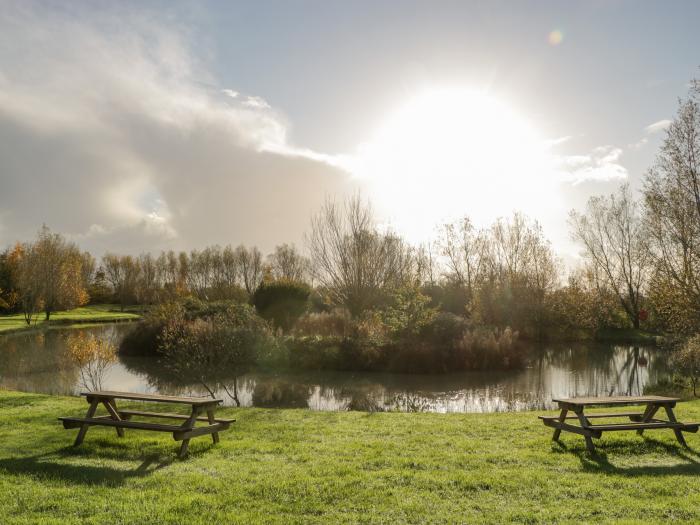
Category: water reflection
<point>37,362</point>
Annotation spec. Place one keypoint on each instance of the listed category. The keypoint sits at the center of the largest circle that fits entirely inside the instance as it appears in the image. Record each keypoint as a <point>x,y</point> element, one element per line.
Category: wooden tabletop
<point>153,397</point>
<point>615,400</point>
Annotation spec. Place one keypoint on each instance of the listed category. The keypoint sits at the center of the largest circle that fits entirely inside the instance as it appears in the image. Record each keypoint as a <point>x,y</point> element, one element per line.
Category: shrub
<point>686,362</point>
<point>281,302</point>
<point>143,340</point>
<point>484,348</point>
<point>93,356</point>
<point>336,323</point>
<point>213,351</point>
<point>314,352</point>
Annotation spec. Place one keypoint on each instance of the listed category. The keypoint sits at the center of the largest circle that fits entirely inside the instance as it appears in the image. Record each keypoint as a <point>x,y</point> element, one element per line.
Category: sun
<point>451,151</point>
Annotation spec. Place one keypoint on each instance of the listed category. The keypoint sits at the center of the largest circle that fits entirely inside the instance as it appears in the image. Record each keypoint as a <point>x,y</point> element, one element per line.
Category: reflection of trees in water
<point>281,393</point>
<point>37,362</point>
<point>597,369</point>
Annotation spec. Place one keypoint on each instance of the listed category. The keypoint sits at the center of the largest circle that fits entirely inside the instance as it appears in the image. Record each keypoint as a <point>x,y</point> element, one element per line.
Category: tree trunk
<point>48,314</point>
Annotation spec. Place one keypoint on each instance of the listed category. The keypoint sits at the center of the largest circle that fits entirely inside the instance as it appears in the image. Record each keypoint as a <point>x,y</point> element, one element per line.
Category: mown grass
<point>95,313</point>
<point>299,466</point>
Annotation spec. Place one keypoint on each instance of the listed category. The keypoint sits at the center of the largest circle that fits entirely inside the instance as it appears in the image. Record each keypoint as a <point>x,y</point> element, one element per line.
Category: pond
<point>38,362</point>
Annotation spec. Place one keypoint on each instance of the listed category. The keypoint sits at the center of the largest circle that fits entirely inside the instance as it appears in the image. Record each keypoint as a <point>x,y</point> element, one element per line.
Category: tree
<point>51,272</point>
<point>613,238</point>
<point>250,267</point>
<point>672,207</point>
<point>465,251</point>
<point>122,273</point>
<point>354,263</point>
<point>286,263</point>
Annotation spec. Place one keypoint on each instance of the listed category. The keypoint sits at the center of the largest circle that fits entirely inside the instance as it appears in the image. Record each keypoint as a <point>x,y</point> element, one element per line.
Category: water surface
<point>38,362</point>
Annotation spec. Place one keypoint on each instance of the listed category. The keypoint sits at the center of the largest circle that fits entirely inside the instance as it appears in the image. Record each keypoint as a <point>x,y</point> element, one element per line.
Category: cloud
<point>256,102</point>
<point>602,165</point>
<point>112,131</point>
<point>657,126</point>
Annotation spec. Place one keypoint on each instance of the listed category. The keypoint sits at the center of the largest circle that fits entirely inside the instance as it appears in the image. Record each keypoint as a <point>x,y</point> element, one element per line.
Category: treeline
<point>641,266</point>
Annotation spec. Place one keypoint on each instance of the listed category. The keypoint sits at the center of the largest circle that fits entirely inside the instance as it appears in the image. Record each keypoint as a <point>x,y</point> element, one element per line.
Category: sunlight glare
<point>449,152</point>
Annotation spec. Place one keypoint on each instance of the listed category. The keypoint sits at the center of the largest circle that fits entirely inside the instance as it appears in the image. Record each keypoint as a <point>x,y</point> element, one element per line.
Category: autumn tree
<point>611,232</point>
<point>51,272</point>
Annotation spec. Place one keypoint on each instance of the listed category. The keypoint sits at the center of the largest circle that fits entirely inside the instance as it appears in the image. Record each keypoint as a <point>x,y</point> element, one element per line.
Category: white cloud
<point>657,126</point>
<point>256,102</point>
<point>114,136</point>
<point>602,165</point>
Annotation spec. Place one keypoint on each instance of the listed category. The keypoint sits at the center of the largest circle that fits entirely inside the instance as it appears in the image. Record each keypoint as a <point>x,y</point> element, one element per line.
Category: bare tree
<point>611,232</point>
<point>465,252</point>
<point>250,267</point>
<point>122,273</point>
<point>672,204</point>
<point>287,263</point>
<point>354,263</point>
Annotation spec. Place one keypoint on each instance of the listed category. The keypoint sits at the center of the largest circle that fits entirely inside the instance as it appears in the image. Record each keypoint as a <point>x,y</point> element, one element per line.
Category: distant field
<point>299,466</point>
<point>96,313</point>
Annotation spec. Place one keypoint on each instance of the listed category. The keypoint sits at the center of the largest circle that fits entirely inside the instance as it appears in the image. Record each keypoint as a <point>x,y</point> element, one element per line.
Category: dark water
<point>38,362</point>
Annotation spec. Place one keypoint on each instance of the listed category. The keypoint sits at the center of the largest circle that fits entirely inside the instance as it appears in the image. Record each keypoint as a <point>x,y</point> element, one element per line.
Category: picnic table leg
<point>584,423</point>
<point>649,413</point>
<point>111,406</point>
<point>562,419</point>
<point>84,427</point>
<point>188,424</point>
<point>672,419</point>
<point>212,421</point>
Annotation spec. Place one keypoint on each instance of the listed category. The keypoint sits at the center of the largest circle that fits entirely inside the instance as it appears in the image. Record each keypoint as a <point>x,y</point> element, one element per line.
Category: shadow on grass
<point>84,465</point>
<point>599,462</point>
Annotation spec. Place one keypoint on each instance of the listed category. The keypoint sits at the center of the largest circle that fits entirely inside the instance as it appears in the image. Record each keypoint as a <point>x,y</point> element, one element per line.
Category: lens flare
<point>555,37</point>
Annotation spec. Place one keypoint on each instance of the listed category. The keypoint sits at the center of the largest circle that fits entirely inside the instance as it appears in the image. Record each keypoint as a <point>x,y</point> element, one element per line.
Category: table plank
<point>615,400</point>
<point>158,398</point>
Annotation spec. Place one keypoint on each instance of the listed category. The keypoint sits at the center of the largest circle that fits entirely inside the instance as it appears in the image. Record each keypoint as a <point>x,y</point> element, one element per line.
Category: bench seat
<point>77,422</point>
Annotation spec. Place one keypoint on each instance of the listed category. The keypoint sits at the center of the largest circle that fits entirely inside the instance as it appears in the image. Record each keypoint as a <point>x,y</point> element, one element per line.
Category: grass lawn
<point>299,466</point>
<point>95,313</point>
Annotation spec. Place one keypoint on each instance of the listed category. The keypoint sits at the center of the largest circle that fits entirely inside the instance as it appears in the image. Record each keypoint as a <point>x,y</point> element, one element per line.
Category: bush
<point>213,351</point>
<point>336,323</point>
<point>686,362</point>
<point>314,352</point>
<point>281,302</point>
<point>143,340</point>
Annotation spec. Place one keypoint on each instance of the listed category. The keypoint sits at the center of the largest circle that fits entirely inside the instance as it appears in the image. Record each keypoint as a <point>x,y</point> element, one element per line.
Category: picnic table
<point>638,420</point>
<point>122,419</point>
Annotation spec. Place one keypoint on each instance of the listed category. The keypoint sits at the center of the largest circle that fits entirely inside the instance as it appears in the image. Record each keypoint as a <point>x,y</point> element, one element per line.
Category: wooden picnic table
<point>121,419</point>
<point>639,421</point>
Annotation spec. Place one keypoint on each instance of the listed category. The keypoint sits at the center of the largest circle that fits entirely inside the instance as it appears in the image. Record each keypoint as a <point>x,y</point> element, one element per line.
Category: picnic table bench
<point>121,419</point>
<point>639,420</point>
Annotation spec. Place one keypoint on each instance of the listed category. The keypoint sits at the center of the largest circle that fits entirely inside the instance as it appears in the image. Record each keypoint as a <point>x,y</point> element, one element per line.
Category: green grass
<point>97,313</point>
<point>299,466</point>
<point>627,336</point>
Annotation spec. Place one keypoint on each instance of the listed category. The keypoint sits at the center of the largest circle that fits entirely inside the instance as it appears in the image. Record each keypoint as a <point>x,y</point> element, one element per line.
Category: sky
<point>142,126</point>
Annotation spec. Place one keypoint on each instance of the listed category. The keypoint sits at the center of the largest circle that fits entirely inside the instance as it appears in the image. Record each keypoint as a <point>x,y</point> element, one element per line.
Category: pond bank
<point>84,315</point>
<point>294,466</point>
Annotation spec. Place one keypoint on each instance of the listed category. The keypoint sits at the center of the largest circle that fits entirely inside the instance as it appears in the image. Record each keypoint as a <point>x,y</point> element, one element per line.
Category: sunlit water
<point>38,362</point>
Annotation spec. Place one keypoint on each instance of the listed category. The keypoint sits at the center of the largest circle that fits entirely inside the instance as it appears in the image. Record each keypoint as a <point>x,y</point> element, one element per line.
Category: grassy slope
<point>294,466</point>
<point>97,313</point>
